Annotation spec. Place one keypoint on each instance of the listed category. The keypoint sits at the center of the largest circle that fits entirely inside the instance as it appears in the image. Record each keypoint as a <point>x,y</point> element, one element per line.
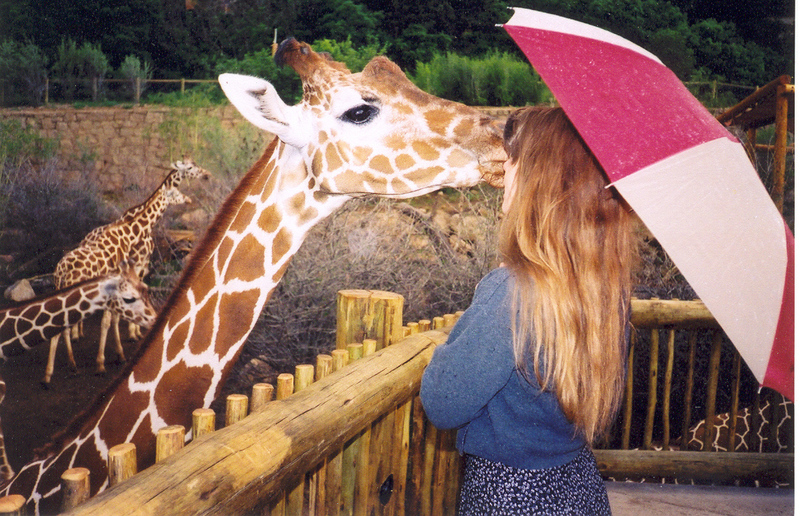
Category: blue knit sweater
<point>472,384</point>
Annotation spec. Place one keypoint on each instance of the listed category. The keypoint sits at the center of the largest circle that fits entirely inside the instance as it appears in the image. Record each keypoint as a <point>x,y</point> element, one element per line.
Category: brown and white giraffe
<point>352,135</point>
<point>103,248</point>
<point>142,252</point>
<point>33,322</point>
<point>766,427</point>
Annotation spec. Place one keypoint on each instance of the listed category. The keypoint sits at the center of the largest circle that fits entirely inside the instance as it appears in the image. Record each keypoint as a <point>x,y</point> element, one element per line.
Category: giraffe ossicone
<point>352,134</point>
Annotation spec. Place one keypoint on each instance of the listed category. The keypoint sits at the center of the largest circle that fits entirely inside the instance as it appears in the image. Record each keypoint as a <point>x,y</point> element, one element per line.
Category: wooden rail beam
<point>242,466</point>
<point>662,313</point>
<point>702,466</point>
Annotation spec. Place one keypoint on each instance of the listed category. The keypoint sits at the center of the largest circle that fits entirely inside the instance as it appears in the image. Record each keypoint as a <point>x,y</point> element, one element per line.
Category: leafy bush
<point>22,147</point>
<point>498,79</point>
<point>133,69</point>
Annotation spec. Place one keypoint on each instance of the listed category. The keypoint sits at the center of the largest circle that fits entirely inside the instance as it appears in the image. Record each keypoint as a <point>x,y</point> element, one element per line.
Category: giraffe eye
<point>360,114</point>
<point>129,300</point>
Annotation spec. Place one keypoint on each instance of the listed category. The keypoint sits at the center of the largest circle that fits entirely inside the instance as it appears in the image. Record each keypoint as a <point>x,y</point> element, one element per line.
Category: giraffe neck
<point>40,319</point>
<point>145,215</point>
<point>197,338</point>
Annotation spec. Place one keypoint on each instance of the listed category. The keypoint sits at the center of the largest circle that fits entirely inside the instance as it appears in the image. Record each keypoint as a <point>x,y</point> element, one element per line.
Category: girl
<point>532,373</point>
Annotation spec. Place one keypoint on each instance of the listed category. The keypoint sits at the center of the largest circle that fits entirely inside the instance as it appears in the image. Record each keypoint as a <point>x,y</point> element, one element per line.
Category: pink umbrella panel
<point>689,180</point>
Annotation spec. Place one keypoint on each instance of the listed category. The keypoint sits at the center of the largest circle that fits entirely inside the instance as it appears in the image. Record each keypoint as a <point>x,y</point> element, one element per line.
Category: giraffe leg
<point>134,331</point>
<point>51,359</point>
<point>105,324</point>
<point>117,338</point>
<point>6,472</point>
<point>70,355</point>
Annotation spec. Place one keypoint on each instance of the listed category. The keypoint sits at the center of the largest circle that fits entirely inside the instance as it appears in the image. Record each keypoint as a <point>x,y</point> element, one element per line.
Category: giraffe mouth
<point>358,194</point>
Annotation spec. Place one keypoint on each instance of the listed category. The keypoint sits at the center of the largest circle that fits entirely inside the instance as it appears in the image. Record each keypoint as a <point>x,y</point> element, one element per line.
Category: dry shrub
<point>377,245</point>
<point>44,215</point>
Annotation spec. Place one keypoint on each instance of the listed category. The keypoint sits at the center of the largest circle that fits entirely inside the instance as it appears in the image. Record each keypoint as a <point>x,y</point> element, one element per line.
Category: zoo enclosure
<point>357,442</point>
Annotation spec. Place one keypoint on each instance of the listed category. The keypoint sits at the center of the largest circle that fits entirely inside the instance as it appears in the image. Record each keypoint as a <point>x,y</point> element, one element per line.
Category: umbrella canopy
<point>689,180</point>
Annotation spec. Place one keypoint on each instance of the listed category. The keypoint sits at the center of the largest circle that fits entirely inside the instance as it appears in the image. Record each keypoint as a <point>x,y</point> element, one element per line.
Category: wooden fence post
<point>262,395</point>
<point>711,391</point>
<point>74,488</point>
<point>169,440</point>
<point>285,386</point>
<point>12,505</point>
<point>235,408</point>
<point>781,128</point>
<point>204,421</point>
<point>368,314</point>
<point>121,463</point>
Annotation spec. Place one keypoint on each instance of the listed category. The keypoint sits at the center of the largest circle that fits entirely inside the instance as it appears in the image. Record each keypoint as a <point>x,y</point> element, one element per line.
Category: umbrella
<point>689,180</point>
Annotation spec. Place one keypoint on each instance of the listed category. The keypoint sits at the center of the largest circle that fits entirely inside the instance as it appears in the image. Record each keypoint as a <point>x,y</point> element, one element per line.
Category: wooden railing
<point>353,439</point>
<point>353,442</point>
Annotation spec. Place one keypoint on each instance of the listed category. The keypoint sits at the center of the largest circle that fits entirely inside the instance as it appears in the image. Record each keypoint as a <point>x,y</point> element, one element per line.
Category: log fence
<point>348,435</point>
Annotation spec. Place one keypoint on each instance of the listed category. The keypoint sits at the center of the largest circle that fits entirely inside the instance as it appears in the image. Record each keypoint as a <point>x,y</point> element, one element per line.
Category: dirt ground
<point>30,414</point>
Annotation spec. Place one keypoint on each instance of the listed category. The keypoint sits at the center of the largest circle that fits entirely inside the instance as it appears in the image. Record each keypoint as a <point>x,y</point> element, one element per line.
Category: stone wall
<point>118,148</point>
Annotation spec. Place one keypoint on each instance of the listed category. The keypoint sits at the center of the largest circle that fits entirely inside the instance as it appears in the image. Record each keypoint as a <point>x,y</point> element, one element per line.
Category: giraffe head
<point>373,131</point>
<point>172,195</point>
<point>128,296</point>
<point>187,169</point>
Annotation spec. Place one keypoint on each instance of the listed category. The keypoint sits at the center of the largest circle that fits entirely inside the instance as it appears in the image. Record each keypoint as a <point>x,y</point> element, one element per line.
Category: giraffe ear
<point>259,103</point>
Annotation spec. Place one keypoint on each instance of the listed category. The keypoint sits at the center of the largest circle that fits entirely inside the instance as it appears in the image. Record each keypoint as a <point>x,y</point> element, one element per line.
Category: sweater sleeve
<point>476,361</point>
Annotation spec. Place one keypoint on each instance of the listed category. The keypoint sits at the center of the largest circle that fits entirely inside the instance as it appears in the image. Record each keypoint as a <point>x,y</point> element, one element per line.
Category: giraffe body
<point>129,237</point>
<point>35,321</point>
<point>352,135</point>
<point>30,323</point>
<point>766,427</point>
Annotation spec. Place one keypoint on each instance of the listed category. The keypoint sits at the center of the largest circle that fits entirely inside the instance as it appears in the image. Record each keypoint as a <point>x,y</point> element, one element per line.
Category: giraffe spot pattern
<point>395,142</point>
<point>463,129</point>
<point>235,317</point>
<point>173,385</point>
<point>203,326</point>
<point>280,245</point>
<point>404,161</point>
<point>270,219</point>
<point>439,120</point>
<point>458,158</point>
<point>333,157</point>
<point>248,250</point>
<point>425,151</point>
<point>381,164</point>
<point>361,155</point>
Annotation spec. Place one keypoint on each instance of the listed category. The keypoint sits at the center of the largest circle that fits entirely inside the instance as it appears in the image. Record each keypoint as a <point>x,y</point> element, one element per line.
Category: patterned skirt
<point>492,488</point>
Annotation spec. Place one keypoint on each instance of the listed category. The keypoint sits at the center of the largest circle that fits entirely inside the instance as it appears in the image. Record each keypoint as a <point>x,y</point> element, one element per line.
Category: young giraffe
<point>28,324</point>
<point>142,251</point>
<point>128,237</point>
<point>352,135</point>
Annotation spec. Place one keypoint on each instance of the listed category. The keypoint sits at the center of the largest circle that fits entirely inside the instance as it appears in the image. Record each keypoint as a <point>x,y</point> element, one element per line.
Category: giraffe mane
<point>197,259</point>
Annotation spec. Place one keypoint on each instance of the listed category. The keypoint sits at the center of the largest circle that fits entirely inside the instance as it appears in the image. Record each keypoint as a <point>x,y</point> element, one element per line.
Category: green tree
<point>339,20</point>
<point>78,67</point>
<point>722,52</point>
<point>24,68</point>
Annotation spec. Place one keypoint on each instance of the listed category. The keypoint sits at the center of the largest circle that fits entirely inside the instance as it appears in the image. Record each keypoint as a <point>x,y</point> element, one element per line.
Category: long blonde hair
<point>568,239</point>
